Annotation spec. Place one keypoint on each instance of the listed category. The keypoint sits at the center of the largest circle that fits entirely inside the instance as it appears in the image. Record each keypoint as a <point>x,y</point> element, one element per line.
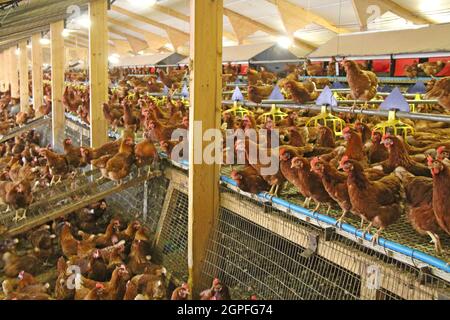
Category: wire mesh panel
<point>172,237</point>
<point>78,134</point>
<point>134,204</point>
<point>256,249</point>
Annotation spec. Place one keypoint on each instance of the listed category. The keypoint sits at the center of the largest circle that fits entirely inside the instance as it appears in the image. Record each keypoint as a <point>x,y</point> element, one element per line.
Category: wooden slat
<point>57,62</point>
<point>307,15</point>
<point>14,72</point>
<point>98,70</point>
<point>269,30</point>
<point>3,76</point>
<point>206,87</point>
<point>23,77</point>
<point>36,73</point>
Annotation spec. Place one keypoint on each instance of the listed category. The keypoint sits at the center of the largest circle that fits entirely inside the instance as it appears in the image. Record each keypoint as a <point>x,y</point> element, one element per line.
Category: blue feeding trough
<point>185,91</point>
<point>337,85</point>
<point>385,88</point>
<point>419,87</point>
<point>327,98</point>
<point>237,95</point>
<point>276,94</point>
<point>395,101</point>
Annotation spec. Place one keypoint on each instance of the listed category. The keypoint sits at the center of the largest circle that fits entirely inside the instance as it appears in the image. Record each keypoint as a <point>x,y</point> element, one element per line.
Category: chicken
<point>331,69</point>
<point>441,193</point>
<point>264,165</point>
<point>110,149</point>
<point>109,238</point>
<point>310,185</point>
<point>355,148</point>
<point>71,100</point>
<point>99,292</point>
<point>42,241</point>
<point>249,180</point>
<point>69,245</point>
<point>73,155</point>
<point>130,119</point>
<point>218,291</point>
<point>419,205</point>
<point>259,92</point>
<point>335,183</point>
<point>119,166</point>
<point>377,152</point>
<point>181,293</point>
<point>313,70</point>
<point>63,291</point>
<point>14,264</point>
<point>145,153</point>
<point>58,164</point>
<point>16,195</point>
<point>441,92</point>
<point>431,69</point>
<point>157,131</point>
<point>139,259</point>
<point>363,84</point>
<point>380,202</point>
<point>299,93</point>
<point>412,71</point>
<point>399,157</point>
<point>113,116</point>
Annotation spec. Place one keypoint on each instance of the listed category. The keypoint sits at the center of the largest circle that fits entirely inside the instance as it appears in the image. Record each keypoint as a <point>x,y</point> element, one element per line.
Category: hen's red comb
<point>440,150</point>
<point>430,160</point>
<point>344,159</point>
<point>387,135</point>
<point>347,130</point>
<point>216,281</point>
<point>99,286</point>
<point>314,161</point>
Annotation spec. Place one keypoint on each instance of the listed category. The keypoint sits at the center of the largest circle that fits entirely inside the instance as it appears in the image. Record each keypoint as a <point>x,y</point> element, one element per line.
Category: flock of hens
<point>375,177</point>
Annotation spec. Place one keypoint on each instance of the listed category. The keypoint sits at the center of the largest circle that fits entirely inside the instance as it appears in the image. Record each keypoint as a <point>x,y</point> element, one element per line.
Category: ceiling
<point>135,25</point>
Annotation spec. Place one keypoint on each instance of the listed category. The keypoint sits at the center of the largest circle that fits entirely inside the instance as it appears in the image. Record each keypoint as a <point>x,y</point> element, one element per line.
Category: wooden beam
<point>206,87</point>
<point>3,76</point>
<point>288,9</point>
<point>368,10</point>
<point>57,62</point>
<point>243,28</point>
<point>6,59</point>
<point>98,70</point>
<point>269,30</point>
<point>177,35</point>
<point>23,77</point>
<point>14,72</point>
<point>153,40</point>
<point>36,73</point>
<point>185,18</point>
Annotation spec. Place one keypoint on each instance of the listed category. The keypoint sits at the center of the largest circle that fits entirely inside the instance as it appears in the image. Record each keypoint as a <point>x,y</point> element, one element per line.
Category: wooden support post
<point>7,70</point>
<point>205,90</point>
<point>98,70</point>
<point>14,73</point>
<point>2,72</point>
<point>57,61</point>
<point>36,72</point>
<point>23,77</point>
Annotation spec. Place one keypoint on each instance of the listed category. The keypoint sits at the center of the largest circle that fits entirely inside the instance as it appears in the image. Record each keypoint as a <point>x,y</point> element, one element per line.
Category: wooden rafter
<point>176,35</point>
<point>175,14</point>
<point>262,27</point>
<point>153,40</point>
<point>365,9</point>
<point>129,38</point>
<point>295,16</point>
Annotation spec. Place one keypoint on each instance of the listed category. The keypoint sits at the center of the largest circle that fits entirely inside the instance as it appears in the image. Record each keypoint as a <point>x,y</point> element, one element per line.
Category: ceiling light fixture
<point>284,42</point>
